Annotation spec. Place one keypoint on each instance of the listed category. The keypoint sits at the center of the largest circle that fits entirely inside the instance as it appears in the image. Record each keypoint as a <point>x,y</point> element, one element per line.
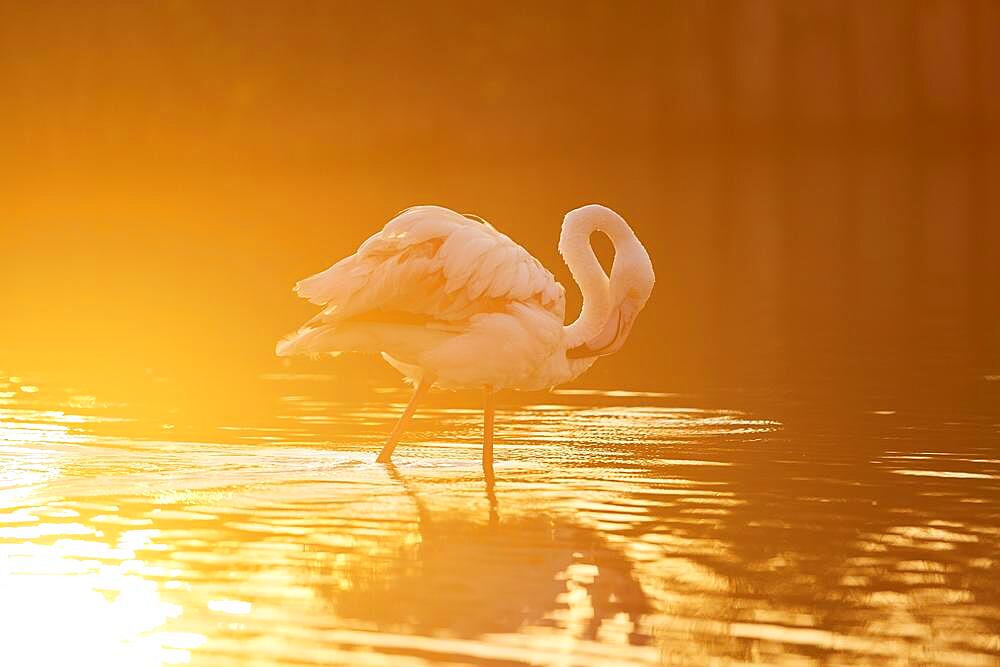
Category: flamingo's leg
<point>422,386</point>
<point>488,432</point>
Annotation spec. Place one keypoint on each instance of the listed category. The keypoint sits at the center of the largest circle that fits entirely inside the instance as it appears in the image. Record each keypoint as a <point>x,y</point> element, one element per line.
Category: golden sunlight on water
<point>624,529</point>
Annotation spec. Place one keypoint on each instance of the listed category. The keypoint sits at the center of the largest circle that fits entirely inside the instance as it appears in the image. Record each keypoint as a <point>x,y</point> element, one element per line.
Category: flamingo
<point>449,301</point>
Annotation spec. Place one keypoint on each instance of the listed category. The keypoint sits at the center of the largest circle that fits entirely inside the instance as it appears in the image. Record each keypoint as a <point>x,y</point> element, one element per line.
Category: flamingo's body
<point>450,301</point>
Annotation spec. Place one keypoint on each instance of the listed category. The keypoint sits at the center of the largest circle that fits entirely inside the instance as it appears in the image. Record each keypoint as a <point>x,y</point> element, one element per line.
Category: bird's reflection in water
<point>501,574</point>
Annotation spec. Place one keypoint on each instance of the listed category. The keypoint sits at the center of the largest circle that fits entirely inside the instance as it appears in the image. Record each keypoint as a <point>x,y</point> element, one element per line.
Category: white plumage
<point>449,300</point>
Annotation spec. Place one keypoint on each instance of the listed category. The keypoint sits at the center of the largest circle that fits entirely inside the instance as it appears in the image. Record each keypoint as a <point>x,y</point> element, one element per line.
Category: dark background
<point>816,182</point>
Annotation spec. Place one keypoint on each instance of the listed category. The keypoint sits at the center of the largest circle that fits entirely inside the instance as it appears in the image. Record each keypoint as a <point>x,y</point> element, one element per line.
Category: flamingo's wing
<point>431,264</point>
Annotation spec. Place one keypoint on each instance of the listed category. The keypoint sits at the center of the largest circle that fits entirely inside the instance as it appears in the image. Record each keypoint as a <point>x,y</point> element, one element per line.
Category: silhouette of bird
<point>449,301</point>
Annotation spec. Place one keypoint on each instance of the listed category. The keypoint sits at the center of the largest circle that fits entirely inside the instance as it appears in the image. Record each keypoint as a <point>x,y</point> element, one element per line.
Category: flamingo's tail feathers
<point>299,343</point>
<point>402,341</point>
<point>332,284</point>
<point>284,348</point>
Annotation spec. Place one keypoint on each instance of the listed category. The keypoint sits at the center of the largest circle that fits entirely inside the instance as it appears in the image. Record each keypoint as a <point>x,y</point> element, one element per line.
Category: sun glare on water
<point>80,602</point>
<point>101,617</point>
<point>66,596</point>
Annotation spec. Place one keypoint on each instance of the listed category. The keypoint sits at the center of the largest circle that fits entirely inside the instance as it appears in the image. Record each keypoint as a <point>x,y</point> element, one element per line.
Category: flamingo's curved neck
<point>574,246</point>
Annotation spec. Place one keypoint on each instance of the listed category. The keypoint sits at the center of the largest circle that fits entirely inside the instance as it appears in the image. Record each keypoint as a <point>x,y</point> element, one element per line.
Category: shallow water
<point>623,529</point>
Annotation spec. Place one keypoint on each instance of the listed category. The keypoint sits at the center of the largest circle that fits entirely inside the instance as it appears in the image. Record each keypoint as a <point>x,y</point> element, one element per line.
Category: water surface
<point>623,529</point>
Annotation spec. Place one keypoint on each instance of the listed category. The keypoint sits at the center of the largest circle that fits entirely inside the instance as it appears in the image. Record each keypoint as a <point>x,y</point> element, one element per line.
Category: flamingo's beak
<point>612,336</point>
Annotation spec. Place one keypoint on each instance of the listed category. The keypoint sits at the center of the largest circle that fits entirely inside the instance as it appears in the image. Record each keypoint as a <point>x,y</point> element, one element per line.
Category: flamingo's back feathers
<point>432,261</point>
